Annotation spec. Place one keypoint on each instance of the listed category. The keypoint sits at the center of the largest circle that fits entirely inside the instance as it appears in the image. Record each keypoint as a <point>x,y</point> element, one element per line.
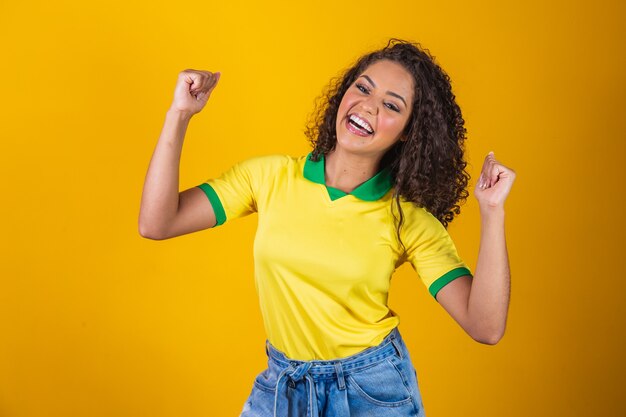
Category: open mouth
<point>359,126</point>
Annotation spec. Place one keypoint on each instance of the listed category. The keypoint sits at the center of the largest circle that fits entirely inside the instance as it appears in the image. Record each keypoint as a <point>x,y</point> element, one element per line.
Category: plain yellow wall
<point>96,321</point>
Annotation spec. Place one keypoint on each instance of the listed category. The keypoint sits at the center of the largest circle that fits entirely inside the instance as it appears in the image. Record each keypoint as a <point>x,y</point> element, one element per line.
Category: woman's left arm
<point>480,304</point>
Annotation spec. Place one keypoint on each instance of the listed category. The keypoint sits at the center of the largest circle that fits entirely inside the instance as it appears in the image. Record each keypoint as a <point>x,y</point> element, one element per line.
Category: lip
<point>353,129</point>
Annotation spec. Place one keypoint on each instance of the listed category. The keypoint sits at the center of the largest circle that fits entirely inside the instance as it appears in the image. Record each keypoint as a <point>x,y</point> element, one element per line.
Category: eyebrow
<point>391,93</point>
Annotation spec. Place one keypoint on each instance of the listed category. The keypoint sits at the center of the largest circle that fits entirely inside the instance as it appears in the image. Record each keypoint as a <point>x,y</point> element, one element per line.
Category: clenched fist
<point>494,183</point>
<point>193,89</point>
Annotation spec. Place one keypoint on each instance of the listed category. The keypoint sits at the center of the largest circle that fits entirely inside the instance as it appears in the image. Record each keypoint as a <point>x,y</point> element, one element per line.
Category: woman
<point>379,189</point>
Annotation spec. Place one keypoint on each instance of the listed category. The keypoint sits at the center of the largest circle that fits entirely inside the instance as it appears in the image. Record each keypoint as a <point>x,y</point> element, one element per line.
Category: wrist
<point>487,210</point>
<point>179,115</point>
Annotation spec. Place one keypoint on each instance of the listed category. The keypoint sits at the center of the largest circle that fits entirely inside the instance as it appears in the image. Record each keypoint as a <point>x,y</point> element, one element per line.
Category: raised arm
<point>480,305</point>
<point>165,212</point>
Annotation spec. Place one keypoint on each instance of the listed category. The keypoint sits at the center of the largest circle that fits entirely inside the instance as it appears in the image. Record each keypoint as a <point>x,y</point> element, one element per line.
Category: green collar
<point>371,190</point>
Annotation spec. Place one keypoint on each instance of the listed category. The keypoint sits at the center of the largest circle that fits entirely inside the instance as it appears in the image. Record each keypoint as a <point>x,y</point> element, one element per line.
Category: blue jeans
<point>379,381</point>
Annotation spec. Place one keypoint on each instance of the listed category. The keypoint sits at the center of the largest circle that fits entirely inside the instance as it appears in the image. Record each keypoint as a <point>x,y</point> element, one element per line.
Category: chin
<point>356,145</point>
<point>353,142</point>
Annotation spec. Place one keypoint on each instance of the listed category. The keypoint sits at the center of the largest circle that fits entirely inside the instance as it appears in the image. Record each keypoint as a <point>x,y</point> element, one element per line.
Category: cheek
<point>346,102</point>
<point>392,126</point>
<point>342,111</point>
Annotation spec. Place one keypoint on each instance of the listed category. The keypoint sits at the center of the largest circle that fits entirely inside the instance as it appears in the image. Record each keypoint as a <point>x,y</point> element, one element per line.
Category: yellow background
<point>97,321</point>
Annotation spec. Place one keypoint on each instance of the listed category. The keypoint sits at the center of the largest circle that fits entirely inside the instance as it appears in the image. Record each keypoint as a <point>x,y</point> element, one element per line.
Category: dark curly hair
<point>428,168</point>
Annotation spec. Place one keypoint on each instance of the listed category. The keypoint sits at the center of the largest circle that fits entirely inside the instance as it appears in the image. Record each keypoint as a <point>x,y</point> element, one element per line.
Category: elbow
<point>489,338</point>
<point>150,232</point>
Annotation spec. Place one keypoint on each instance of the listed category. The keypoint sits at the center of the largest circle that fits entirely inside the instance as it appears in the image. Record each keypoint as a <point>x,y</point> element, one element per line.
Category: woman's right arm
<point>164,212</point>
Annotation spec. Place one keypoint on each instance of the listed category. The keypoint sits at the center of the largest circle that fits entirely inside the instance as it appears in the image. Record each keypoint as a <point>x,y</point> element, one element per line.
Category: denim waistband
<point>296,370</point>
<point>387,347</point>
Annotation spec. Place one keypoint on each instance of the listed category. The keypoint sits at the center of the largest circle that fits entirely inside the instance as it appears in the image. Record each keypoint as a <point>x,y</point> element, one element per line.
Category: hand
<point>494,183</point>
<point>193,90</point>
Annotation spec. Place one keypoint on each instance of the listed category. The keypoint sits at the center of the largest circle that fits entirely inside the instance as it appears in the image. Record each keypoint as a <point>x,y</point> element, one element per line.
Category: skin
<point>478,304</point>
<point>165,212</point>
<point>373,96</point>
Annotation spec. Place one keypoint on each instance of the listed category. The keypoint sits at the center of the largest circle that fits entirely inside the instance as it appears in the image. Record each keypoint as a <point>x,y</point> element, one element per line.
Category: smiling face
<point>375,109</point>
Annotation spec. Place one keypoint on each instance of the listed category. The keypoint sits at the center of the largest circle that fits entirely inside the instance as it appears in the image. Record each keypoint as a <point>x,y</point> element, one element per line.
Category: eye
<point>392,107</point>
<point>362,88</point>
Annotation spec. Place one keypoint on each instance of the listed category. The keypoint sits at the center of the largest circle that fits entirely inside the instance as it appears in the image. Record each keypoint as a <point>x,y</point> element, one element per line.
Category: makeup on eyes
<point>391,93</point>
<point>361,87</point>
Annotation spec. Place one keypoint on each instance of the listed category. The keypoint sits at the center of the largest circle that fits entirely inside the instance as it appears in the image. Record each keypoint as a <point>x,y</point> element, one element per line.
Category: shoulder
<point>419,223</point>
<point>268,160</point>
<point>415,215</point>
<point>264,165</point>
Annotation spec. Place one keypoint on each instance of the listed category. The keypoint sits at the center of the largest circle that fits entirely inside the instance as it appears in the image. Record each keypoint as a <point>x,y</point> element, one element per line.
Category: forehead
<point>391,76</point>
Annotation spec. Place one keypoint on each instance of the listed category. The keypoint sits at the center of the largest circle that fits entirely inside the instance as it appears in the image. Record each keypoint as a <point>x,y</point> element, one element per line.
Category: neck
<point>347,171</point>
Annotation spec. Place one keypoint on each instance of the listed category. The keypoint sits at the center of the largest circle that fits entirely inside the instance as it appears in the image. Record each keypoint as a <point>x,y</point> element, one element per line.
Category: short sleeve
<point>431,251</point>
<point>236,191</point>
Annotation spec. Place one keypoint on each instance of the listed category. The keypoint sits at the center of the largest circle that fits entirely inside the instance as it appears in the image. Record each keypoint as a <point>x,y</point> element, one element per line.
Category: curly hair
<point>428,168</point>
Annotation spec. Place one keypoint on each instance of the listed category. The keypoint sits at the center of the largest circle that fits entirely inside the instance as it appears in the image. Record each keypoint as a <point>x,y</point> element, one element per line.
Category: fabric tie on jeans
<point>291,375</point>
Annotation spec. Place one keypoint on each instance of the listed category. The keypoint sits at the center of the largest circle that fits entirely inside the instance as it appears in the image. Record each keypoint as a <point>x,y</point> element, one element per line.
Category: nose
<point>370,106</point>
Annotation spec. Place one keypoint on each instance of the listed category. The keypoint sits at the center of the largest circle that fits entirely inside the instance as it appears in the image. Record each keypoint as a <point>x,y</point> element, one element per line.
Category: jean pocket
<point>266,380</point>
<point>381,384</point>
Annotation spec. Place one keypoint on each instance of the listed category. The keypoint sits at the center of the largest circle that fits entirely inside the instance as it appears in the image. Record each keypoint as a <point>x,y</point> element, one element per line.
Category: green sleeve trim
<point>220,215</point>
<point>447,278</point>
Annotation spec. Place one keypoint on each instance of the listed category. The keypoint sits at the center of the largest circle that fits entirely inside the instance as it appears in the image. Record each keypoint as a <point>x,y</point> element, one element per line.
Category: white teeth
<point>361,123</point>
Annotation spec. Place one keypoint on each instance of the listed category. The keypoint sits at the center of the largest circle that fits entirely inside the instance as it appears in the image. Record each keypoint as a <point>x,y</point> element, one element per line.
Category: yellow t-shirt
<point>323,258</point>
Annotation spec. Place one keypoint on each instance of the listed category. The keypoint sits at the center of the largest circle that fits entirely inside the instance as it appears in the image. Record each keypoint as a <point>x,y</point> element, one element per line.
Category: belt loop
<point>340,379</point>
<point>396,345</point>
<point>267,350</point>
